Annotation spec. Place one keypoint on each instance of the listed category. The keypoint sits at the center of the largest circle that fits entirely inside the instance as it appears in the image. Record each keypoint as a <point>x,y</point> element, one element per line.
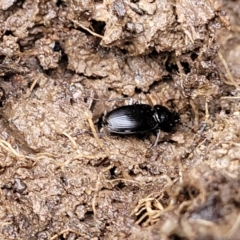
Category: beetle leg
<point>131,102</point>
<point>157,138</point>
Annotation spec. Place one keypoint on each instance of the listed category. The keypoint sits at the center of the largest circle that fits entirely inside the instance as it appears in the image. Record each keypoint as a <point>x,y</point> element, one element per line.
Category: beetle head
<point>165,118</point>
<point>175,117</point>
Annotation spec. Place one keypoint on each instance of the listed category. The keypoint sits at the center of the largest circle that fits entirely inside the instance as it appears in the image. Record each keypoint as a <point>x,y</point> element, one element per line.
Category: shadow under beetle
<point>140,118</point>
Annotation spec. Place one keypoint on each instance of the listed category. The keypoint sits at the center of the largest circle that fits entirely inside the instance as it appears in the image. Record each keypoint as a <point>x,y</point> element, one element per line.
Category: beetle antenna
<point>110,99</point>
<point>192,130</point>
<point>149,100</point>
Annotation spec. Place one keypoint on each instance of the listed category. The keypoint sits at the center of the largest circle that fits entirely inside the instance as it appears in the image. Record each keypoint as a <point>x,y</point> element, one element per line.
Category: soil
<point>64,64</point>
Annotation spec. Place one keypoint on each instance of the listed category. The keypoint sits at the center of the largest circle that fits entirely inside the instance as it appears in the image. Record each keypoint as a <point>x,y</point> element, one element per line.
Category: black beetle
<point>140,118</point>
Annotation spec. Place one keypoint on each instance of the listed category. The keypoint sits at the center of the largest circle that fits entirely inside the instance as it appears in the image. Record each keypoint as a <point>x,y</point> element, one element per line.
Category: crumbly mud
<point>62,176</point>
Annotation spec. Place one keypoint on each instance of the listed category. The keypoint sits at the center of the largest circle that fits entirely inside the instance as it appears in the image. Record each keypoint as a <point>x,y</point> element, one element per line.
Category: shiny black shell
<point>140,118</point>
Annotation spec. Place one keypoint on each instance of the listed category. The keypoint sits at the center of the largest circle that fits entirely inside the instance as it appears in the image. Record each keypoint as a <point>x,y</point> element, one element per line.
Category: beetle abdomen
<point>130,119</point>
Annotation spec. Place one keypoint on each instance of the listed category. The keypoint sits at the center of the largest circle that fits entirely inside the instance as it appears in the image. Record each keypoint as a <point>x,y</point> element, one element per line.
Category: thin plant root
<point>91,157</point>
<point>167,179</point>
<point>96,136</point>
<point>71,139</point>
<point>78,153</point>
<point>87,29</point>
<point>233,231</point>
<point>229,97</point>
<point>123,180</point>
<point>61,165</point>
<point>180,67</point>
<point>150,209</point>
<point>207,115</point>
<point>231,79</point>
<point>33,85</point>
<point>184,205</point>
<point>97,188</point>
<point>8,147</point>
<point>67,231</point>
<point>51,155</point>
<point>196,114</point>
